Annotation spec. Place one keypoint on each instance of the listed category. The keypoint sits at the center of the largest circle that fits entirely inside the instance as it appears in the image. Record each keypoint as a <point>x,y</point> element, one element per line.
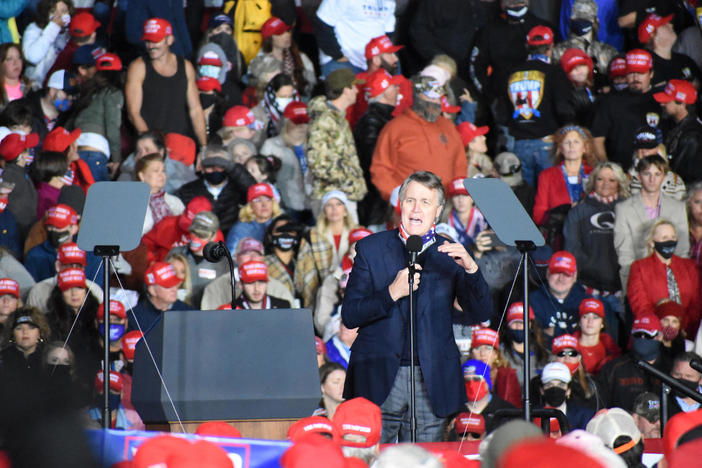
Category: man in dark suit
<point>376,301</point>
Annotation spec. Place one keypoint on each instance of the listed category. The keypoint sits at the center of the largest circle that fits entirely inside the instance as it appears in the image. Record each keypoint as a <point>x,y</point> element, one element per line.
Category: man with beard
<point>683,141</point>
<point>418,139</point>
<point>161,81</point>
<point>620,115</point>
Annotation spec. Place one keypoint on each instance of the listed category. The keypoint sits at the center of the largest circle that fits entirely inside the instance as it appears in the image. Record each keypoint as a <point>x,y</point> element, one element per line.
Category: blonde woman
<point>260,209</point>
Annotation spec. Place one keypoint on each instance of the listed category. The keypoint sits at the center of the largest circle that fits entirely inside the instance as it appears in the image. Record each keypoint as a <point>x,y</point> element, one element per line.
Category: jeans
<point>332,65</point>
<point>535,156</point>
<point>396,412</point>
<point>97,162</point>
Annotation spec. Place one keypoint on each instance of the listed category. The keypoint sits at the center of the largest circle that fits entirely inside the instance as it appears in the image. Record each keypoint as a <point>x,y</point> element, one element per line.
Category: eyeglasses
<point>571,353</point>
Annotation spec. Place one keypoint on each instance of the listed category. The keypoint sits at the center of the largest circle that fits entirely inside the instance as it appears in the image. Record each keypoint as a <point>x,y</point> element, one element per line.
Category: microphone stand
<point>412,405</point>
<point>231,270</point>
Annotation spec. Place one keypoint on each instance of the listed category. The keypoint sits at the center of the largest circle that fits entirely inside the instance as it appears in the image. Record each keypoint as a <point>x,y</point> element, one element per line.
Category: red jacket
<point>594,357</point>
<point>507,386</point>
<point>551,191</point>
<point>165,235</point>
<point>648,284</point>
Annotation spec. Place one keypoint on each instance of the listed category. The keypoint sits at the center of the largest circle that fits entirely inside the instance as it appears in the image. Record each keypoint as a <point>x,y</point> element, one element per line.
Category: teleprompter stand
<point>514,227</point>
<point>112,221</point>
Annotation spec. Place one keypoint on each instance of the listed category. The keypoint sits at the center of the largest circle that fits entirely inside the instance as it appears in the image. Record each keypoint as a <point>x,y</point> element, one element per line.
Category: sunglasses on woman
<point>571,353</point>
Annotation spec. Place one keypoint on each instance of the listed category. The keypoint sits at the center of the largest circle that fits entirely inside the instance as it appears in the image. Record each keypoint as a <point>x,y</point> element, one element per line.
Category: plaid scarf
<point>159,208</point>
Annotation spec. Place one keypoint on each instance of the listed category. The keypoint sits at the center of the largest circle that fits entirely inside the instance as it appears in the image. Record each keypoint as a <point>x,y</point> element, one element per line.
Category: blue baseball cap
<point>85,55</point>
<point>475,367</point>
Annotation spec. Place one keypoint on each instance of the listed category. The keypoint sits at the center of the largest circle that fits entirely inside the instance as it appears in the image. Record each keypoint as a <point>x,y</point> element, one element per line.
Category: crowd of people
<point>285,130</point>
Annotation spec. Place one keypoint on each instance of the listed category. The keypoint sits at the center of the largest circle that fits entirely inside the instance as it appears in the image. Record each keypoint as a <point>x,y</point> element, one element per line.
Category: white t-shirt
<point>355,23</point>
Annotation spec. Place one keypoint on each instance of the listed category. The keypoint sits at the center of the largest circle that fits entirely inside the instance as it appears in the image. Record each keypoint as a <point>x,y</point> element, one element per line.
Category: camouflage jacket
<point>331,153</point>
<point>601,52</point>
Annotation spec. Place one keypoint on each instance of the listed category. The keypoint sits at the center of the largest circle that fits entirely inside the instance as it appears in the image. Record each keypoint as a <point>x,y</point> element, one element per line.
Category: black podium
<point>233,365</point>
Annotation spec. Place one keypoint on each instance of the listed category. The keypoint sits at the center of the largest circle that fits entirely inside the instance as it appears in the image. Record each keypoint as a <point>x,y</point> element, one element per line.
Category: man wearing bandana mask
<point>418,139</point>
<point>555,393</point>
<point>690,378</point>
<point>376,301</point>
<point>621,380</point>
<point>203,229</point>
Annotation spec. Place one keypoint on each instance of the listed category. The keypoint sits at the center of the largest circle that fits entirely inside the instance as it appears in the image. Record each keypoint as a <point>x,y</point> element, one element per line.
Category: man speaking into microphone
<point>377,302</point>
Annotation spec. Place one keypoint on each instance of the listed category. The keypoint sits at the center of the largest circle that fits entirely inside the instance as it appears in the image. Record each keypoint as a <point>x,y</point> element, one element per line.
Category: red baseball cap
<point>573,57</point>
<point>448,108</point>
<point>469,423</point>
<point>562,262</point>
<point>162,274</point>
<point>217,429</point>
<point>129,342</point>
<point>669,308</point>
<point>638,61</point>
<point>59,139</point>
<point>83,24</point>
<point>210,58</point>
<point>156,29</point>
<point>207,83</point>
<point>61,216</point>
<point>116,382</point>
<point>116,308</point>
<point>456,187</point>
<point>545,453</point>
<point>380,45</point>
<point>516,313</point>
<point>468,131</point>
<point>485,336</point>
<point>540,35</point>
<point>676,90</point>
<point>180,148</point>
<point>311,424</point>
<point>70,254</point>
<point>357,234</point>
<point>253,271</point>
<point>193,207</point>
<point>591,306</point>
<point>379,81</point>
<point>15,144</point>
<point>313,450</point>
<point>617,67</point>
<point>108,61</point>
<point>258,190</point>
<point>9,286</point>
<point>71,278</point>
<point>648,324</point>
<point>274,26</point>
<point>358,417</point>
<point>564,342</point>
<point>649,25</point>
<point>296,111</point>
<point>677,426</point>
<point>241,116</point>
<point>249,244</point>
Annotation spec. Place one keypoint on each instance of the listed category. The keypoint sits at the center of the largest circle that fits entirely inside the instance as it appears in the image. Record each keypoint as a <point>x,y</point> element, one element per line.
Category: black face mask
<point>580,27</point>
<point>647,349</point>
<point>554,396</point>
<point>517,335</point>
<point>56,238</point>
<point>206,100</point>
<point>690,384</point>
<point>215,178</point>
<point>285,242</point>
<point>59,374</point>
<point>666,249</point>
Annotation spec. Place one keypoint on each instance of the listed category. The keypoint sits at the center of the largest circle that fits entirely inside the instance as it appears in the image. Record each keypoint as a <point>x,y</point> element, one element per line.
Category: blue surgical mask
<point>63,104</point>
<point>210,71</point>
<point>116,331</point>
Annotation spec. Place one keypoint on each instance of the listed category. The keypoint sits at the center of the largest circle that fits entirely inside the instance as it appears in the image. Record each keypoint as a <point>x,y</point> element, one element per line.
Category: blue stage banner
<point>112,446</point>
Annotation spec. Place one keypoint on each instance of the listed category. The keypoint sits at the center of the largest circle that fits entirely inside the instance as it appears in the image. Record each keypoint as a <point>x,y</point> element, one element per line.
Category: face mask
<point>196,244</point>
<point>580,27</point>
<point>429,111</point>
<point>690,384</point>
<point>554,396</point>
<point>572,366</point>
<point>215,178</point>
<point>116,331</point>
<point>282,102</point>
<point>647,349</point>
<point>182,294</point>
<point>620,86</point>
<point>210,71</point>
<point>66,18</point>
<point>285,243</point>
<point>476,390</point>
<point>56,238</point>
<point>517,335</point>
<point>206,100</point>
<point>62,104</point>
<point>59,374</point>
<point>666,249</point>
<point>517,12</point>
<point>669,333</point>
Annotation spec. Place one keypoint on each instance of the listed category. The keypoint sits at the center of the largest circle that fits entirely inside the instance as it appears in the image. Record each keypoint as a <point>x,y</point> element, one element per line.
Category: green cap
<point>341,78</point>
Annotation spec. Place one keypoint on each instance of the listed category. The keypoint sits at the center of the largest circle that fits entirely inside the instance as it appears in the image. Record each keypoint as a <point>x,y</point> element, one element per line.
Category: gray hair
<point>427,179</point>
<point>691,191</point>
<point>622,179</point>
<point>367,454</point>
<point>213,149</point>
<point>406,456</point>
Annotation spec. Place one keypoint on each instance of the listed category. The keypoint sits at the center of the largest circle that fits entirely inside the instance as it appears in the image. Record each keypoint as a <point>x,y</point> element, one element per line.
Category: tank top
<point>164,104</point>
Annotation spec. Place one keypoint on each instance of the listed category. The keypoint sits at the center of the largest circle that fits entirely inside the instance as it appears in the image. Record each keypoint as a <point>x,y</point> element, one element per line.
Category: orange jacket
<point>409,143</point>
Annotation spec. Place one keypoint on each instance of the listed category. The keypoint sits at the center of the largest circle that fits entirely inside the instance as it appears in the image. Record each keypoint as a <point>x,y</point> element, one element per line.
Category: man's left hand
<point>460,255</point>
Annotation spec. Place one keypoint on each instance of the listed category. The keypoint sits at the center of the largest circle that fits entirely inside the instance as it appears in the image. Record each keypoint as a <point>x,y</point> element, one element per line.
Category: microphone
<point>214,251</point>
<point>696,364</point>
<point>414,246</point>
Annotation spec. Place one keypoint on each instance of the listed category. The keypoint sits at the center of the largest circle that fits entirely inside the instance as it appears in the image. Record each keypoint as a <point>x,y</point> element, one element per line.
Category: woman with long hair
<point>331,378</point>
<point>595,345</point>
<point>278,94</point>
<point>260,209</point>
<point>46,36</point>
<point>49,172</point>
<point>485,347</point>
<point>512,341</point>
<point>583,389</point>
<point>13,84</point>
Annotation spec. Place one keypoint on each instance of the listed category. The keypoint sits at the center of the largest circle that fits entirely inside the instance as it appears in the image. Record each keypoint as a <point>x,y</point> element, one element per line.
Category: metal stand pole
<point>106,251</point>
<point>525,247</point>
<point>412,405</point>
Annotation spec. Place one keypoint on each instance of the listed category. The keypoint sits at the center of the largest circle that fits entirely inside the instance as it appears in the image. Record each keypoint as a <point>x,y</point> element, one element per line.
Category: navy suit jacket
<point>384,324</point>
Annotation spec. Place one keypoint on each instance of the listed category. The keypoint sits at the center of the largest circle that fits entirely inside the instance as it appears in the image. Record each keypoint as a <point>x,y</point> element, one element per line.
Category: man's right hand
<point>399,288</point>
